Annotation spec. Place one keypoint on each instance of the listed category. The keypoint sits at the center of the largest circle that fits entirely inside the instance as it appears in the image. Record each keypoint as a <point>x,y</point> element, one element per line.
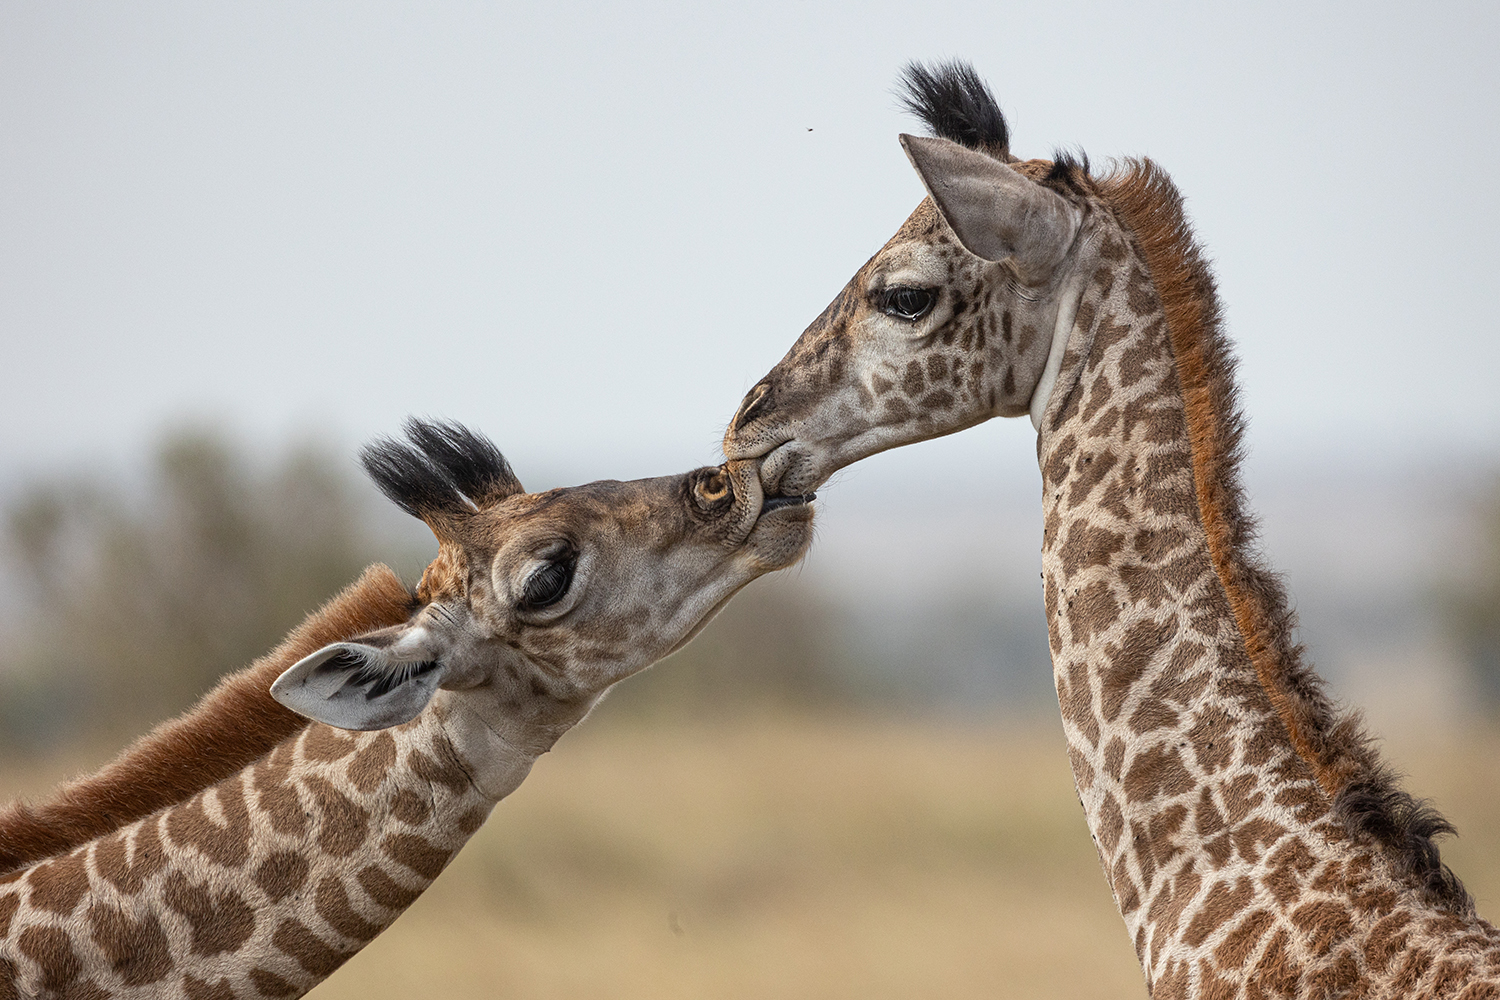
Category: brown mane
<point>231,727</point>
<point>1365,793</point>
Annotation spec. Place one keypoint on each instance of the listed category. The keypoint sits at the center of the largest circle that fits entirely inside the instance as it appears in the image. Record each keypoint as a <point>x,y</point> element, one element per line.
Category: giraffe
<point>247,851</point>
<point>1254,842</point>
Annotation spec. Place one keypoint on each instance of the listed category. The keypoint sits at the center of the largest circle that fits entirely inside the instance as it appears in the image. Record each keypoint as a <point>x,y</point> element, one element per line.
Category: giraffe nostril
<point>756,402</point>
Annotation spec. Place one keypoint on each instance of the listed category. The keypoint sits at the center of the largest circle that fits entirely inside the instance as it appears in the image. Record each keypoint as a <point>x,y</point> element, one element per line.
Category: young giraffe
<point>267,874</point>
<point>1254,843</point>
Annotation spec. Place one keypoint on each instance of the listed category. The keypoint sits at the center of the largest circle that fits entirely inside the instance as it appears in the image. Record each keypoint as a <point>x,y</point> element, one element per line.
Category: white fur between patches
<point>1067,311</point>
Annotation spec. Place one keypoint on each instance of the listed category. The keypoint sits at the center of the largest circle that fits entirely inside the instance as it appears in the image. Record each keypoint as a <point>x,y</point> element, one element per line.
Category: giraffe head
<point>538,602</point>
<point>954,321</point>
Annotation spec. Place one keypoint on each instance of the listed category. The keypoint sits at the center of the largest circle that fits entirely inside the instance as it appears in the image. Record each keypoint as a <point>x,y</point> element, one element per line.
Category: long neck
<point>231,727</point>
<point>1211,801</point>
<point>261,885</point>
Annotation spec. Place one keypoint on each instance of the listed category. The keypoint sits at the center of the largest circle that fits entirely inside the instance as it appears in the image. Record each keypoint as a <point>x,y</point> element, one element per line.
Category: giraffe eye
<point>547,584</point>
<point>906,302</point>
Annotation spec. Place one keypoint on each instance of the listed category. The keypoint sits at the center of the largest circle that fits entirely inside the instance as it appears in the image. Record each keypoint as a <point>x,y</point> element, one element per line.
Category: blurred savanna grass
<point>754,817</point>
<point>810,855</point>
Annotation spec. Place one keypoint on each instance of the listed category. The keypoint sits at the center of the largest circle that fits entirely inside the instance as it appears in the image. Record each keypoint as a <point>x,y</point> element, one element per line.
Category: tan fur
<point>1254,843</point>
<point>1150,208</point>
<point>243,851</point>
<point>232,726</point>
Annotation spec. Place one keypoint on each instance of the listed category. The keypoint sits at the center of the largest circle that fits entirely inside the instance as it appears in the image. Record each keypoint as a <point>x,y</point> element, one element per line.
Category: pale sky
<point>586,229</point>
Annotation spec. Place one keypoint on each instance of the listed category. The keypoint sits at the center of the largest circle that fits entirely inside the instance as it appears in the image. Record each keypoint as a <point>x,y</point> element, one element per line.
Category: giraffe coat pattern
<point>1254,843</point>
<point>282,846</point>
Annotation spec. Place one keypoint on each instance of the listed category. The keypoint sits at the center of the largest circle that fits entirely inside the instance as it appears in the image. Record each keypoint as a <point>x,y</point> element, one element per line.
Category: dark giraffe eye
<point>906,302</point>
<point>548,584</point>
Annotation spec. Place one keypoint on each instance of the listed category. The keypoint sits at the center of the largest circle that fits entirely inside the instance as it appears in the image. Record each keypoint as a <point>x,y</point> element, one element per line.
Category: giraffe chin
<point>782,533</point>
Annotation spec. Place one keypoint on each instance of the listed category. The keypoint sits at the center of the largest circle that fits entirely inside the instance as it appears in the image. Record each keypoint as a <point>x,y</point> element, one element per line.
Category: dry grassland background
<point>791,855</point>
<point>852,784</point>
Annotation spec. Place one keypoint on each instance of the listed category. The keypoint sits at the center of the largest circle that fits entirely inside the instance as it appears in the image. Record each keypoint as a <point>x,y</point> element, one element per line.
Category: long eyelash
<point>554,576</point>
<point>384,681</point>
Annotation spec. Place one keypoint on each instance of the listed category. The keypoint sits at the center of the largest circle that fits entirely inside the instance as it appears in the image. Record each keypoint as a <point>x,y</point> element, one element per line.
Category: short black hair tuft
<point>1067,167</point>
<point>446,470</point>
<point>954,103</point>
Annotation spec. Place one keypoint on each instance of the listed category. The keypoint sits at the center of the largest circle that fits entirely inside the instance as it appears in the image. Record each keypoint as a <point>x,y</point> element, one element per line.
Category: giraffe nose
<point>756,402</point>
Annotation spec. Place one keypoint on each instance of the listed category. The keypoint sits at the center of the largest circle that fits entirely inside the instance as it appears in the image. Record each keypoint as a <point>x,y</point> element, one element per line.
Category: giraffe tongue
<point>773,503</point>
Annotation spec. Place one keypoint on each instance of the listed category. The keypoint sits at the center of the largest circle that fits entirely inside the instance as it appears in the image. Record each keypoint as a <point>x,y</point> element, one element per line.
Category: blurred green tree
<point>135,601</point>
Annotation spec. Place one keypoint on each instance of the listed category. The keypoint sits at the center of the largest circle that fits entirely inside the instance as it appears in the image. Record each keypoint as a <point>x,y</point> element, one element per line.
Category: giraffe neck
<point>1062,330</point>
<point>1170,737</point>
<point>1209,781</point>
<point>264,883</point>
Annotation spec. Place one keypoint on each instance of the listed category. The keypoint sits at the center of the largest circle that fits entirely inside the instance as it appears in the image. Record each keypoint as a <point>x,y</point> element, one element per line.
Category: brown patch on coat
<point>1140,644</point>
<point>200,989</point>
<point>226,843</point>
<point>385,890</point>
<point>1324,923</point>
<point>235,724</point>
<point>1224,902</point>
<point>269,984</point>
<point>426,859</point>
<point>410,808</point>
<point>52,951</point>
<point>59,884</point>
<point>311,952</point>
<point>281,874</point>
<point>333,905</point>
<point>137,950</point>
<point>1237,945</point>
<point>8,906</point>
<point>370,766</point>
<point>129,874</point>
<point>221,921</point>
<point>325,744</point>
<point>1364,792</point>
<point>442,768</point>
<point>345,824</point>
<point>1157,771</point>
<point>277,795</point>
<point>1087,546</point>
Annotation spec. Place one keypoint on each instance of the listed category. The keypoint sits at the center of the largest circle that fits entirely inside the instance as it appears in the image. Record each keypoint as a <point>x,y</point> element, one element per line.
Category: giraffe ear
<point>352,685</point>
<point>995,212</point>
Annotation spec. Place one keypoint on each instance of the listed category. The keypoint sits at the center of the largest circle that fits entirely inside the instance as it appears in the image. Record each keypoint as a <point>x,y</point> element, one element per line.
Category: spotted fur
<point>1255,844</point>
<point>234,725</point>
<point>1364,789</point>
<point>244,852</point>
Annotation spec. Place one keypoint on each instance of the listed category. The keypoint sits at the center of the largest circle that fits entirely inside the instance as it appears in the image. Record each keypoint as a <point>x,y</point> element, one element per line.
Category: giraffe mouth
<point>776,503</point>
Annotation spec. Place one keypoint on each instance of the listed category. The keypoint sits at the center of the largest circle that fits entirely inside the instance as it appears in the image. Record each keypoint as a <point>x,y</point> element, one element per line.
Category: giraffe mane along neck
<point>233,725</point>
<point>1365,794</point>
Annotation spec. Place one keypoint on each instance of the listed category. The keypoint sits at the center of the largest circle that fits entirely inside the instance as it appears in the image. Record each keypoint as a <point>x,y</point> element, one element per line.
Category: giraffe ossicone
<point>1254,842</point>
<point>243,851</point>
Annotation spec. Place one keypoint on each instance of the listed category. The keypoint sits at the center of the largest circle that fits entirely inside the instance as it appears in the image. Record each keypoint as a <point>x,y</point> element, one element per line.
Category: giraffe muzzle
<point>776,503</point>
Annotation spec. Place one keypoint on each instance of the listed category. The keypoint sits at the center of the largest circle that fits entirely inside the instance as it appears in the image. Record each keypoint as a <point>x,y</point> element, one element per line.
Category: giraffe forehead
<point>924,227</point>
<point>524,525</point>
<point>924,252</point>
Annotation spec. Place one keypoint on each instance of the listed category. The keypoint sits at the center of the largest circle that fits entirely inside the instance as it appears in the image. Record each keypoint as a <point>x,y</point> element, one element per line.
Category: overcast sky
<point>588,229</point>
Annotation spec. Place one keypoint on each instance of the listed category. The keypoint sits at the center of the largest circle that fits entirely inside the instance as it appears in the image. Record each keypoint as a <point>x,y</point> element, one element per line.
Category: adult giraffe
<point>1254,842</point>
<point>244,852</point>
